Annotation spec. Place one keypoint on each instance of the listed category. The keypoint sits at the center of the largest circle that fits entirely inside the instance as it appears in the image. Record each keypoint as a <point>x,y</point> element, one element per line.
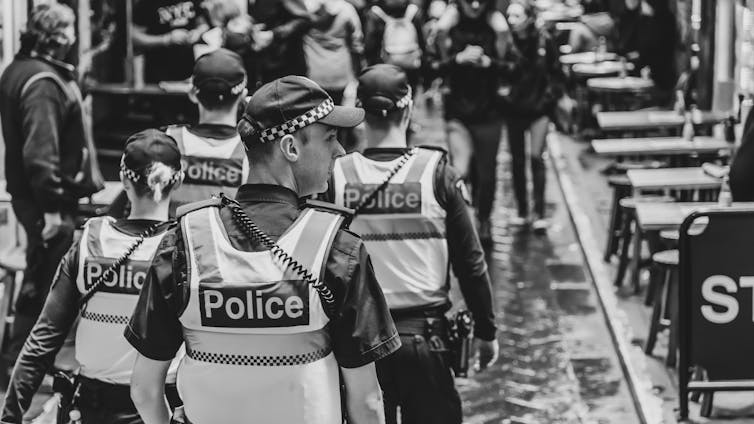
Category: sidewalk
<point>590,205</point>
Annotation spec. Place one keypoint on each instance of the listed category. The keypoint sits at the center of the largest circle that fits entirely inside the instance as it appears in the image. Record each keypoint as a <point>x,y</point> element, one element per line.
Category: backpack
<point>400,41</point>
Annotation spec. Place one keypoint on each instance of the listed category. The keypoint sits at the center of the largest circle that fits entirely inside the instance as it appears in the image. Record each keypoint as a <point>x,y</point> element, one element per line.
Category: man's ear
<point>192,95</point>
<point>289,146</point>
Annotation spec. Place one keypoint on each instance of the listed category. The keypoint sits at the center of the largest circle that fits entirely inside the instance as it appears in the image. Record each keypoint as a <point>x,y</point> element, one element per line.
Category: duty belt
<point>258,360</point>
<point>97,394</point>
<point>421,326</point>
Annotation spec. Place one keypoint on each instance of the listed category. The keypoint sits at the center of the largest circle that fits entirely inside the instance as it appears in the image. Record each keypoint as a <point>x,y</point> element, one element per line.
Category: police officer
<point>98,281</point>
<point>273,300</point>
<point>213,155</point>
<point>412,213</point>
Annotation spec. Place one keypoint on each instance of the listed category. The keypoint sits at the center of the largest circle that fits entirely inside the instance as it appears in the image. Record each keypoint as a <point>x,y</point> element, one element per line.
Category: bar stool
<point>665,304</point>
<point>629,236</point>
<point>11,266</point>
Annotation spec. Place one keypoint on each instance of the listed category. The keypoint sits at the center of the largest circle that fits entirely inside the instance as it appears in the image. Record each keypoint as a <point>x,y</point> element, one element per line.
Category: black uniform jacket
<point>466,253</point>
<point>51,330</point>
<point>362,333</point>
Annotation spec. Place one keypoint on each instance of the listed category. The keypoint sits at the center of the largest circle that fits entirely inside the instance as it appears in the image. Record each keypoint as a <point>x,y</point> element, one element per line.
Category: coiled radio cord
<point>401,163</point>
<point>253,232</point>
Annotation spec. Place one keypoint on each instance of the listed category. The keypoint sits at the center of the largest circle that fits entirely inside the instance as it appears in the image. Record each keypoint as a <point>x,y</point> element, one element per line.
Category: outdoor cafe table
<point>599,69</point>
<point>659,216</point>
<point>652,119</point>
<point>586,57</point>
<point>620,84</point>
<point>671,179</point>
<point>658,146</point>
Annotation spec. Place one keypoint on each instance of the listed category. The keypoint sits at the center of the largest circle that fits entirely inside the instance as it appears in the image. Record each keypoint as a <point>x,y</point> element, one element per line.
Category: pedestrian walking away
<point>471,36</point>
<point>96,286</point>
<point>278,305</point>
<point>412,211</point>
<point>50,160</point>
<point>537,86</point>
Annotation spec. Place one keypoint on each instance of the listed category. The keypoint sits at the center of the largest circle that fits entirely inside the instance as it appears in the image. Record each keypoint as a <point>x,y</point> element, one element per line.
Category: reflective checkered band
<point>258,361</point>
<point>403,236</point>
<point>295,124</point>
<point>106,318</point>
<point>405,100</point>
<point>135,177</point>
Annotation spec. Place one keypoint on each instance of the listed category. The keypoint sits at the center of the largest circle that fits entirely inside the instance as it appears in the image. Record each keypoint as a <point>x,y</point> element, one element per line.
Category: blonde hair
<point>160,179</point>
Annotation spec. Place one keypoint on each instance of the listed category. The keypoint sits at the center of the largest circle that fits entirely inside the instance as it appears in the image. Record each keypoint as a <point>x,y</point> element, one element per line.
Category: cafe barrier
<point>716,316</point>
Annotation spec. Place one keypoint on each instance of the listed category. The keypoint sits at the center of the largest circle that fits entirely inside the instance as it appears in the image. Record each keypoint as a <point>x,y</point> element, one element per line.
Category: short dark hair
<point>213,101</point>
<point>378,120</point>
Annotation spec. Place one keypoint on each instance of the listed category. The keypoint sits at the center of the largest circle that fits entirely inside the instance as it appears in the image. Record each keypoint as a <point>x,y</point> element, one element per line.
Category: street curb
<point>647,403</point>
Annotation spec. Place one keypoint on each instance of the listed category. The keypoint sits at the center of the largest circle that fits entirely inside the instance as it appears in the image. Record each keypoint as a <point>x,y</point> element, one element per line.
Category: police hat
<point>146,147</point>
<point>289,104</point>
<point>383,88</point>
<point>219,73</point>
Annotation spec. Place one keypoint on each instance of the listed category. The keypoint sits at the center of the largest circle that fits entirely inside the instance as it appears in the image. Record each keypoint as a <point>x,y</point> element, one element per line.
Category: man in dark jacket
<point>46,153</point>
<point>280,26</point>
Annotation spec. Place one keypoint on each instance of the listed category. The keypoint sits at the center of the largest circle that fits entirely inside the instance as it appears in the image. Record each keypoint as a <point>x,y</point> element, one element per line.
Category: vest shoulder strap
<point>52,76</point>
<point>182,211</point>
<point>442,150</point>
<point>347,213</point>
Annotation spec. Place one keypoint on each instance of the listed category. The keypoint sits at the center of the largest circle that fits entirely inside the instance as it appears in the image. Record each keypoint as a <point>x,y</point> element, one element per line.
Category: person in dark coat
<point>536,87</point>
<point>49,158</point>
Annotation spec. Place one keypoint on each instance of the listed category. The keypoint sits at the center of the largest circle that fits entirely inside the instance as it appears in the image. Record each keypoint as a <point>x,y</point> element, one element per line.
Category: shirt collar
<point>388,153</point>
<point>216,131</point>
<point>64,67</point>
<point>267,193</point>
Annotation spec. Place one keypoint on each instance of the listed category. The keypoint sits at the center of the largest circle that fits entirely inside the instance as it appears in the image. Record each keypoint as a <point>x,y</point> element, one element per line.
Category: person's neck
<point>148,209</point>
<point>213,117</point>
<point>393,136</point>
<point>270,174</point>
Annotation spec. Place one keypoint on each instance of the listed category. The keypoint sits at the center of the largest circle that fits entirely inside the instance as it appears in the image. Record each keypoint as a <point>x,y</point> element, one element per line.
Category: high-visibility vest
<point>257,347</point>
<point>403,227</point>
<point>210,166</point>
<point>102,351</point>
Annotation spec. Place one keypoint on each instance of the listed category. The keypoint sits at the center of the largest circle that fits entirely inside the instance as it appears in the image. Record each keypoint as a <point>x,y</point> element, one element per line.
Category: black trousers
<point>475,145</point>
<point>420,383</point>
<point>42,260</point>
<point>517,129</point>
<point>104,403</point>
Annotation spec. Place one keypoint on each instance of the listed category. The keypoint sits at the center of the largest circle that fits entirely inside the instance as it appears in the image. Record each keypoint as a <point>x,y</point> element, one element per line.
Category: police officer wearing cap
<point>412,211</point>
<point>213,155</point>
<point>277,303</point>
<point>98,283</point>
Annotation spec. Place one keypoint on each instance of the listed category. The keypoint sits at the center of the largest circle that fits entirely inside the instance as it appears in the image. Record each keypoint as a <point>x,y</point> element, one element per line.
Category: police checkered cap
<point>219,73</point>
<point>383,88</point>
<point>289,104</point>
<point>147,147</point>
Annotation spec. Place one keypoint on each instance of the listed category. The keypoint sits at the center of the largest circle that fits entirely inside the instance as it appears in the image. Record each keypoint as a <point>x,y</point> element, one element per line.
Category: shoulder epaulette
<point>436,148</point>
<point>330,207</point>
<point>190,207</point>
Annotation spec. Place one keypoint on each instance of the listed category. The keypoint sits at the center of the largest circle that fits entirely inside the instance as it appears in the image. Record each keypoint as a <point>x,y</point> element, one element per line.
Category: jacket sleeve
<point>373,29</point>
<point>466,253</point>
<point>298,24</point>
<point>155,330</point>
<point>364,331</point>
<point>47,337</point>
<point>42,110</point>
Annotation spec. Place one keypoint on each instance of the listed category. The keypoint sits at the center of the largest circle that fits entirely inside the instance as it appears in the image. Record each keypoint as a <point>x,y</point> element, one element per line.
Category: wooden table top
<point>652,119</point>
<point>619,84</point>
<point>658,146</point>
<point>606,68</point>
<point>586,57</point>
<point>659,216</point>
<point>671,179</point>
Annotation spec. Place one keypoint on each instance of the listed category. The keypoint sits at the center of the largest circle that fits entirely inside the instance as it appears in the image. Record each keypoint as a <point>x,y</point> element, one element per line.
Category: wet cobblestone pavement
<point>556,362</point>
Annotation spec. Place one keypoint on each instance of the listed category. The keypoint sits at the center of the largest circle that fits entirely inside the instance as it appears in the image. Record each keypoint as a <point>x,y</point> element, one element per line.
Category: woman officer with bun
<point>98,282</point>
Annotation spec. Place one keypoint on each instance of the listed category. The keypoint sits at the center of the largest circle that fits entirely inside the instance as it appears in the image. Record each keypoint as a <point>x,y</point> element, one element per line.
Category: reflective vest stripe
<point>349,169</point>
<point>418,166</point>
<point>320,225</point>
<point>93,230</point>
<point>258,360</point>
<point>106,318</point>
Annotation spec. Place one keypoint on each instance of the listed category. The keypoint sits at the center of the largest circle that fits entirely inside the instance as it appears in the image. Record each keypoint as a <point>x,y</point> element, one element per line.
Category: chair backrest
<point>723,96</point>
<point>13,236</point>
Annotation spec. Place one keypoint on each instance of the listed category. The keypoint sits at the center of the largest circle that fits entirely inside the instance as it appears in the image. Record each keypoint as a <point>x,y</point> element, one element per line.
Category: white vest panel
<point>258,350</point>
<point>403,227</point>
<point>102,351</point>
<point>210,166</point>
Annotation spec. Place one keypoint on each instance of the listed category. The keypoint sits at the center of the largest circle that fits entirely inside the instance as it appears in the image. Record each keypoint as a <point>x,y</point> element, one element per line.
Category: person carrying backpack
<point>393,35</point>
